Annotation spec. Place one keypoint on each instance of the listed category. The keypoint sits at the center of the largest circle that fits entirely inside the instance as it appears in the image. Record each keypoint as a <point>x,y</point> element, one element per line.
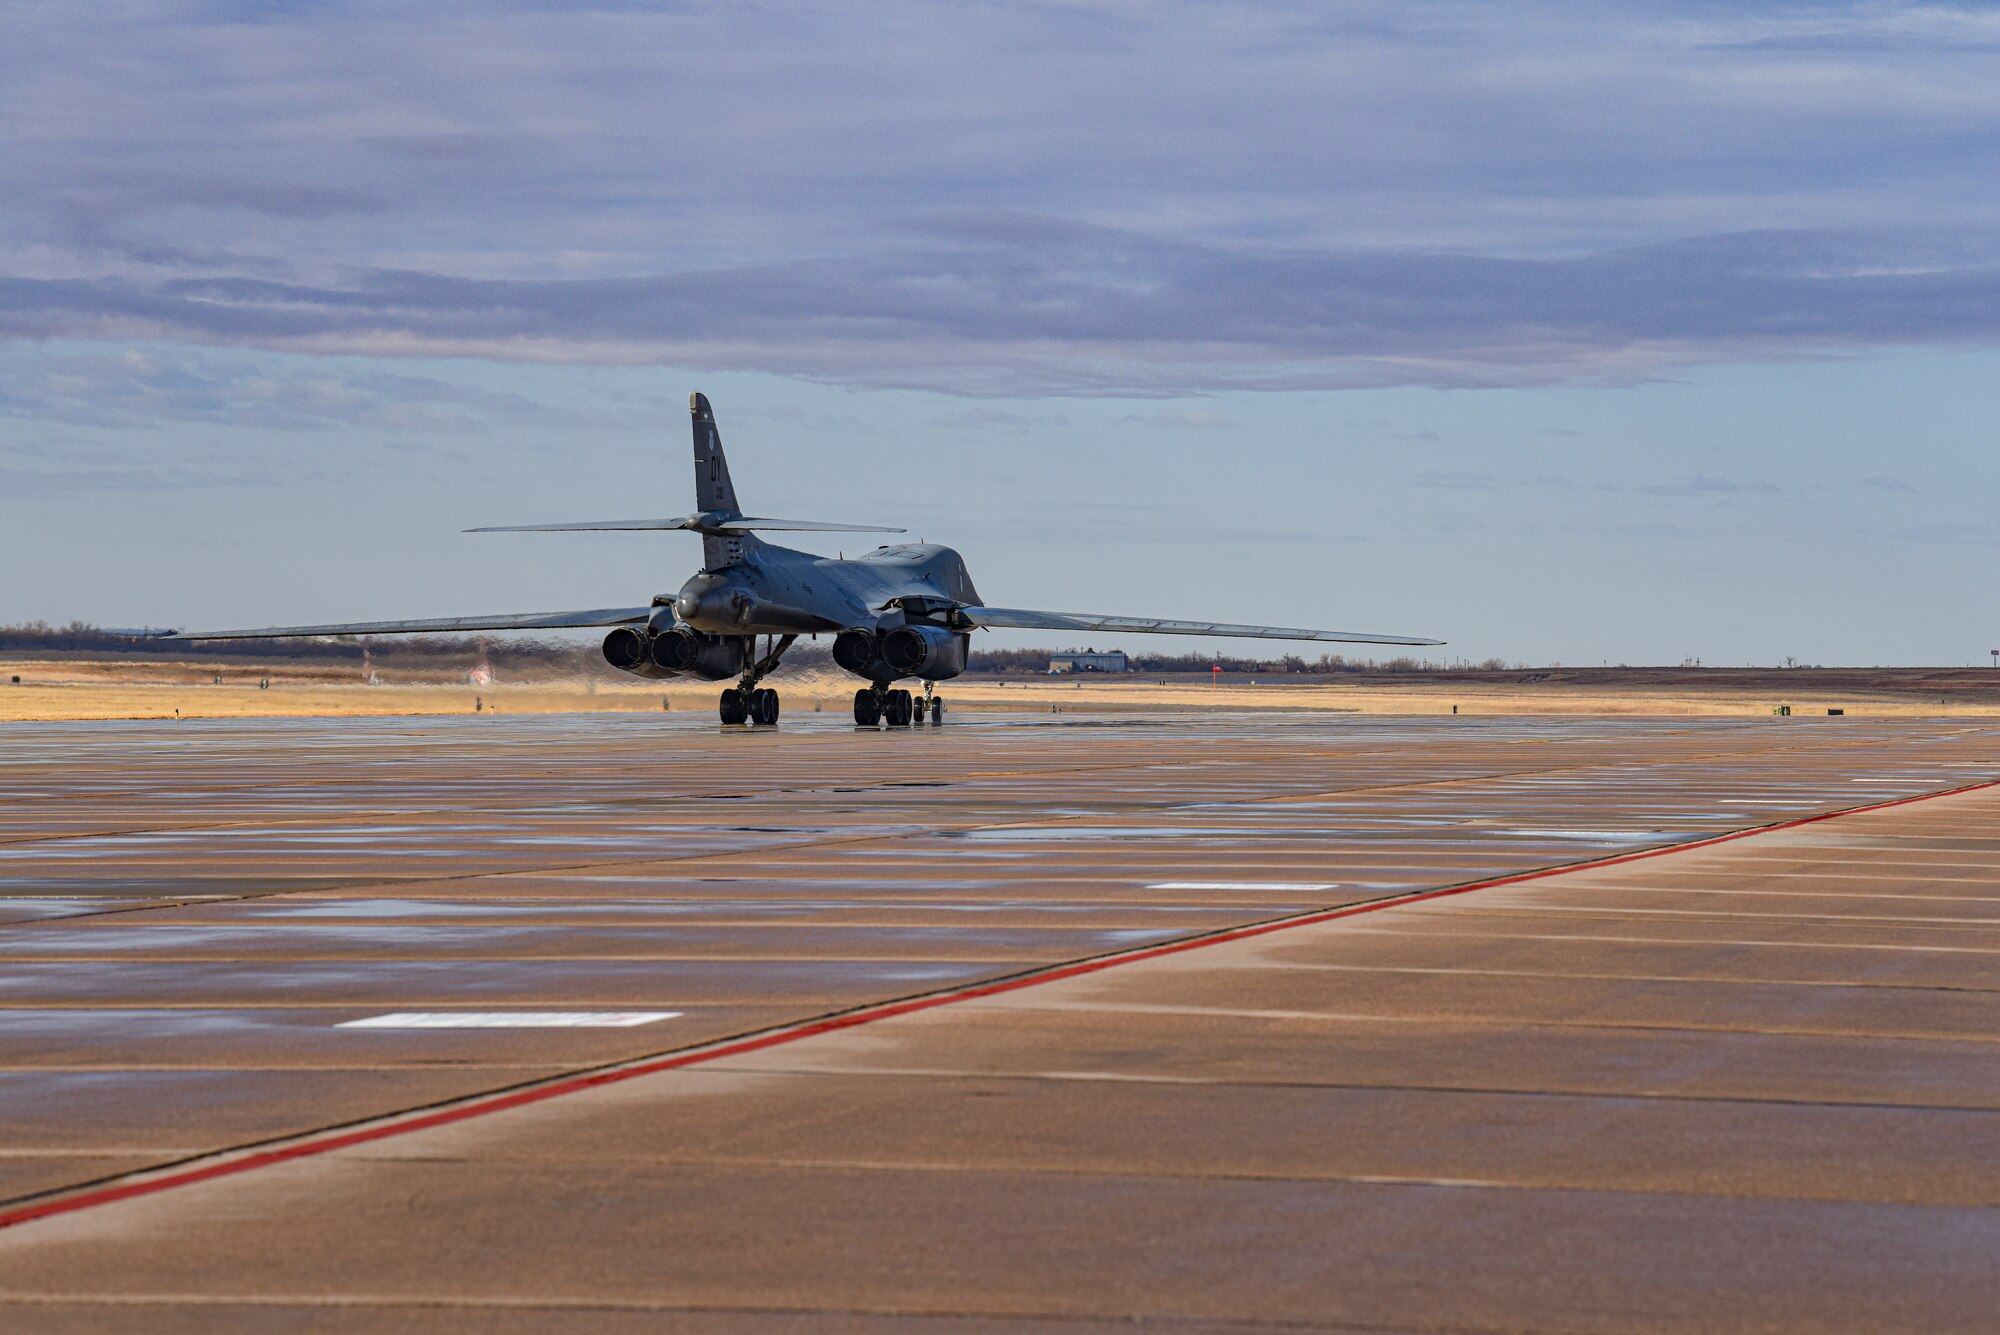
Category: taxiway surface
<point>1797,1026</point>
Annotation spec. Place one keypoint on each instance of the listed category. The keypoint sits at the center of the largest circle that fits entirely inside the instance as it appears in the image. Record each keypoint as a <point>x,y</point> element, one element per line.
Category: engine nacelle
<point>710,657</point>
<point>630,649</point>
<point>930,652</point>
<point>860,652</point>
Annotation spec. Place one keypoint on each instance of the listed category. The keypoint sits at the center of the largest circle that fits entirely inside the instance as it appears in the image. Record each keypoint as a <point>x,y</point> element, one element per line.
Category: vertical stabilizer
<point>714,493</point>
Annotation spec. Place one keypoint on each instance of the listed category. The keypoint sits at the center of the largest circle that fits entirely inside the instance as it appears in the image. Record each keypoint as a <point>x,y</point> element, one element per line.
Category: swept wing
<point>693,523</point>
<point>602,616</point>
<point>1014,618</point>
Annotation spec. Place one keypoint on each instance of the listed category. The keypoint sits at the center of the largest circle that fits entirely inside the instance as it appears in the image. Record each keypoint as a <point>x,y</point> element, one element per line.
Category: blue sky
<point>1574,332</point>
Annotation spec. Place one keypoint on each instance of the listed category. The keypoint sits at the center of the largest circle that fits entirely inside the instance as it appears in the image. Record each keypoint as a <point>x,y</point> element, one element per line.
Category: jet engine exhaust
<point>930,652</point>
<point>709,657</point>
<point>626,649</point>
<point>860,652</point>
<point>630,649</point>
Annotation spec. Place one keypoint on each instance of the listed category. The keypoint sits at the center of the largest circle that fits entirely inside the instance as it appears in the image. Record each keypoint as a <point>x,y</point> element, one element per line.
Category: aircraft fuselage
<point>771,590</point>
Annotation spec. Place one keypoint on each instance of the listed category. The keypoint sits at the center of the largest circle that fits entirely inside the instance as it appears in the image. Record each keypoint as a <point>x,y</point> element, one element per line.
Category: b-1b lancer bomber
<point>904,612</point>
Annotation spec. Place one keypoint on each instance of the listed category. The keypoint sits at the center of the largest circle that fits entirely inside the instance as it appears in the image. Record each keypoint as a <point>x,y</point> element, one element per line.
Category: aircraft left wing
<point>603,616</point>
<point>1014,618</point>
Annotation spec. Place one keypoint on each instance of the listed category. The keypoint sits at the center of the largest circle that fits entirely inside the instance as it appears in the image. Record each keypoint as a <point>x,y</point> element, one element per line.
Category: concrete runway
<point>1748,1085</point>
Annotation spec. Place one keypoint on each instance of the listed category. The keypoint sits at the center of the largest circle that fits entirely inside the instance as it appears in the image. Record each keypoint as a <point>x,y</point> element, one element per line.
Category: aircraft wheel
<point>764,707</point>
<point>735,708</point>
<point>896,709</point>
<point>916,708</point>
<point>937,711</point>
<point>867,708</point>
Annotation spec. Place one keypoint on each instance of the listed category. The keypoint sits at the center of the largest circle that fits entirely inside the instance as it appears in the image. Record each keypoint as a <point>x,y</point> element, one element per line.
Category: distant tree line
<point>1324,665</point>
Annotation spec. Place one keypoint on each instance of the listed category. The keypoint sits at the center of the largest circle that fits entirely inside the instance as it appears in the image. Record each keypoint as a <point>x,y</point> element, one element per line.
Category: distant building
<point>1088,660</point>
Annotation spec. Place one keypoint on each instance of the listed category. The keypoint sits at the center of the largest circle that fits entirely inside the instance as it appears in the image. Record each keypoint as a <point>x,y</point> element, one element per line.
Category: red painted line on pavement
<point>483,1105</point>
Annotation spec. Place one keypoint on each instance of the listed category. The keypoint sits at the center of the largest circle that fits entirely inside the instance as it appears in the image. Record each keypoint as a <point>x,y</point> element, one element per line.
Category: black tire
<point>764,707</point>
<point>937,711</point>
<point>867,708</point>
<point>916,709</point>
<point>735,708</point>
<point>896,709</point>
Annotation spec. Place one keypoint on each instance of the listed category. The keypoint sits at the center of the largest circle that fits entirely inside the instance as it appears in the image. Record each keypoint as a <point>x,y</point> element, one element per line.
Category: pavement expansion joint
<point>1548,1090</point>
<point>596,1303</point>
<point>1470,1020</point>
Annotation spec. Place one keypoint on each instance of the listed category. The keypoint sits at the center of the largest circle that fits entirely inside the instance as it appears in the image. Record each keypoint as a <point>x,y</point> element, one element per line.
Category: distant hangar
<point>1088,660</point>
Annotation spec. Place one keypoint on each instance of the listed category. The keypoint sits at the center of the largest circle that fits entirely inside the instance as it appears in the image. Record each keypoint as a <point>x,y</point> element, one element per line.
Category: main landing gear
<point>753,706</point>
<point>747,702</point>
<point>898,709</point>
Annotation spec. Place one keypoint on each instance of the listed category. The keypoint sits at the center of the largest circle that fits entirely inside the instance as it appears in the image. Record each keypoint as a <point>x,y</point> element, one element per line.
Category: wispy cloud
<point>1694,486</point>
<point>1951,533</point>
<point>132,388</point>
<point>1704,484</point>
<point>797,418</point>
<point>1457,479</point>
<point>1663,529</point>
<point>55,465</point>
<point>1888,482</point>
<point>1180,419</point>
<point>1001,420</point>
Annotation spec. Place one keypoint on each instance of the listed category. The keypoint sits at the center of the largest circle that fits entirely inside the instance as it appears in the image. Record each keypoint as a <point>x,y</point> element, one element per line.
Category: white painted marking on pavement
<point>509,1020</point>
<point>1243,885</point>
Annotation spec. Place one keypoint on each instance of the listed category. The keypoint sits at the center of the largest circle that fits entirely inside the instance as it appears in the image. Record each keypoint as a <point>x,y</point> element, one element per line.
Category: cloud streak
<point>1083,198</point>
<point>80,386</point>
<point>1040,307</point>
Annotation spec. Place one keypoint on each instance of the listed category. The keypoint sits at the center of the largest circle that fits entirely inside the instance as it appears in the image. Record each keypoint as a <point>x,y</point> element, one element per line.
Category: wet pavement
<point>189,913</point>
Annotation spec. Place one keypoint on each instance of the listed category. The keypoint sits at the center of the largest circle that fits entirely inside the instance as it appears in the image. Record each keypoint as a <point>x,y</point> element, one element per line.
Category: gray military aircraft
<point>902,612</point>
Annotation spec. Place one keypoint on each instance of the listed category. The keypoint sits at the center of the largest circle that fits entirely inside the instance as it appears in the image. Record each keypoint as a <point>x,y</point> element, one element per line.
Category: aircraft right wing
<point>603,616</point>
<point>1014,618</point>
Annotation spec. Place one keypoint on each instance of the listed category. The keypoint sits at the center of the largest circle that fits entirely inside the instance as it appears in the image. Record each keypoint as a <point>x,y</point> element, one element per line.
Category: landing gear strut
<point>746,701</point>
<point>897,708</point>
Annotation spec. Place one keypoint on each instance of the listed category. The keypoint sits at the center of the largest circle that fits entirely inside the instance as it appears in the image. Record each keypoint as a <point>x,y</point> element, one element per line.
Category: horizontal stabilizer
<point>603,616</point>
<point>692,523</point>
<point>587,526</point>
<point>1014,618</point>
<point>802,526</point>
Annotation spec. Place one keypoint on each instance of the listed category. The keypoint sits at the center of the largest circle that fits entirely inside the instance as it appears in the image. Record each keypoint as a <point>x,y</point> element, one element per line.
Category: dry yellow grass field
<point>113,689</point>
